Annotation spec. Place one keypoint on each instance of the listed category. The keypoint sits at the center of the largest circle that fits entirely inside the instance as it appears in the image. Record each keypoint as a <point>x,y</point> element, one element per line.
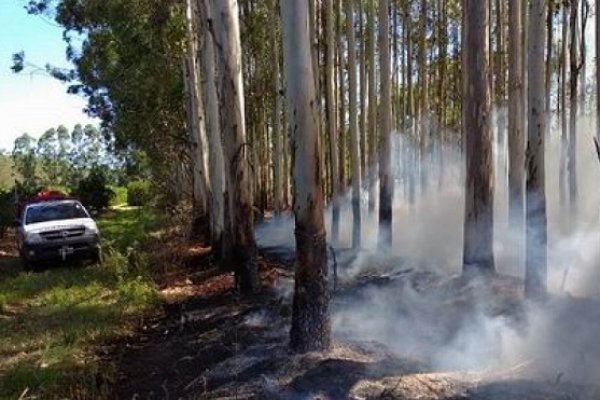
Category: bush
<point>93,190</point>
<point>120,197</point>
<point>7,210</point>
<point>139,193</point>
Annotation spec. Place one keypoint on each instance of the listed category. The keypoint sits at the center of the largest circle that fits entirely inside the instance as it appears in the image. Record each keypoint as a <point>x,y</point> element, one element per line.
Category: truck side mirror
<point>17,223</point>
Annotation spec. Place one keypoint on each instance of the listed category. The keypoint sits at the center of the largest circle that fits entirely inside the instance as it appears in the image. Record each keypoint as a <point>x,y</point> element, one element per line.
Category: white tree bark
<point>215,143</point>
<point>535,268</point>
<point>354,137</point>
<point>197,131</point>
<point>310,319</point>
<point>372,105</point>
<point>233,125</point>
<point>516,124</point>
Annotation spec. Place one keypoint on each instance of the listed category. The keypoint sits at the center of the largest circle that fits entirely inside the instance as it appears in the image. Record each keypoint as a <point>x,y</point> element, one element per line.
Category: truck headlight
<point>33,238</point>
<point>91,229</point>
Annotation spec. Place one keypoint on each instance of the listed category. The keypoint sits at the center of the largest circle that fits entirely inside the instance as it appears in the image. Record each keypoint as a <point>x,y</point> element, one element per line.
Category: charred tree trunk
<point>236,147</point>
<point>386,182</point>
<point>478,254</point>
<point>311,328</point>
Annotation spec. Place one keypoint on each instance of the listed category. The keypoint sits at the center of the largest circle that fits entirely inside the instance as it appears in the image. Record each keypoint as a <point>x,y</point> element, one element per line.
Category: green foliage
<point>6,172</point>
<point>126,228</point>
<point>25,163</point>
<point>120,197</point>
<point>7,210</point>
<point>59,315</point>
<point>94,191</point>
<point>139,193</point>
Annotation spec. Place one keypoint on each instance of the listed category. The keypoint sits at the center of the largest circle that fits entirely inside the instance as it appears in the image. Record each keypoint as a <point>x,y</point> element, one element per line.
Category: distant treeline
<point>61,158</point>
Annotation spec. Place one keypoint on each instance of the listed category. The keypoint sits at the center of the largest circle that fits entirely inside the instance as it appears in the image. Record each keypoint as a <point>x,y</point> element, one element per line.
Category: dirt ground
<point>212,344</point>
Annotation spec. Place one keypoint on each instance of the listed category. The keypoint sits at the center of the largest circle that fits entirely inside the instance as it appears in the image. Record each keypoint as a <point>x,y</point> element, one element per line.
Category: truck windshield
<point>54,212</point>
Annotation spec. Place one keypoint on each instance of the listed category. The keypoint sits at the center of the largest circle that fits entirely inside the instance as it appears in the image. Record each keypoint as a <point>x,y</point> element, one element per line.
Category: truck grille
<point>62,233</point>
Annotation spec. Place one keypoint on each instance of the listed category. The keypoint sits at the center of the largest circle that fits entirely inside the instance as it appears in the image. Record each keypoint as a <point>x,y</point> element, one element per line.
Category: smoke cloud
<point>435,316</point>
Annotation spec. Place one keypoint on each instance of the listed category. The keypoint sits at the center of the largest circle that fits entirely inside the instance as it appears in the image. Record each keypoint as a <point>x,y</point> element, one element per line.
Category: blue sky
<point>32,103</point>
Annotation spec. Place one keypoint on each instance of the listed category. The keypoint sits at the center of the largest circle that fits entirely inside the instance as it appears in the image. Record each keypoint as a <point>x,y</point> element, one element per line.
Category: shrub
<point>120,197</point>
<point>7,210</point>
<point>139,193</point>
<point>93,190</point>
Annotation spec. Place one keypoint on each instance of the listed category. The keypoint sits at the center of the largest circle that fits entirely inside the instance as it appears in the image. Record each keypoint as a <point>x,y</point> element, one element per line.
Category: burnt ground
<point>212,344</point>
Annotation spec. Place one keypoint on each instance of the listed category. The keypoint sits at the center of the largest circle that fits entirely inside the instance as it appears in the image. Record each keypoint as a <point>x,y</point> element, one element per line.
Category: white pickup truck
<point>55,228</point>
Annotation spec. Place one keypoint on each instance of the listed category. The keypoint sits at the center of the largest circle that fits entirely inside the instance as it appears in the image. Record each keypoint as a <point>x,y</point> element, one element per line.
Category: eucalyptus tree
<point>372,106</point>
<point>478,254</point>
<point>575,69</point>
<point>386,182</point>
<point>220,236</point>
<point>536,254</point>
<point>311,328</point>
<point>352,117</point>
<point>233,127</point>
<point>331,116</point>
<point>196,120</point>
<point>516,121</point>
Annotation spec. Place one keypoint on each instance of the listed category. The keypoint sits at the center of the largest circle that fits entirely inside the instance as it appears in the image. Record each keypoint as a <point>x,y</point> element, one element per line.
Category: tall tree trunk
<point>221,238</point>
<point>372,164</point>
<point>424,95</point>
<point>478,254</point>
<point>311,328</point>
<point>276,135</point>
<point>443,26</point>
<point>363,92</point>
<point>564,136</point>
<point>584,9</point>
<point>516,112</point>
<point>413,149</point>
<point>573,94</point>
<point>331,119</point>
<point>386,182</point>
<point>501,49</point>
<point>548,79</point>
<point>197,128</point>
<point>354,139</point>
<point>535,267</point>
<point>342,100</point>
<point>231,91</point>
<point>597,70</point>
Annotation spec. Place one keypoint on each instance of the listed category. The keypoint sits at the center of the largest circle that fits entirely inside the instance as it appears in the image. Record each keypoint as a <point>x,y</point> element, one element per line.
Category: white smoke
<point>472,329</point>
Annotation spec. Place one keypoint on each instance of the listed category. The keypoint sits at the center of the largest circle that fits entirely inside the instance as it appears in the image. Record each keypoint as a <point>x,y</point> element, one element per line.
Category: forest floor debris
<point>216,345</point>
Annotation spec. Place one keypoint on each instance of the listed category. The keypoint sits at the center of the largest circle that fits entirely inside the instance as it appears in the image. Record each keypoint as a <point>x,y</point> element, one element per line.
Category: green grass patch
<point>127,227</point>
<point>120,197</point>
<point>51,323</point>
